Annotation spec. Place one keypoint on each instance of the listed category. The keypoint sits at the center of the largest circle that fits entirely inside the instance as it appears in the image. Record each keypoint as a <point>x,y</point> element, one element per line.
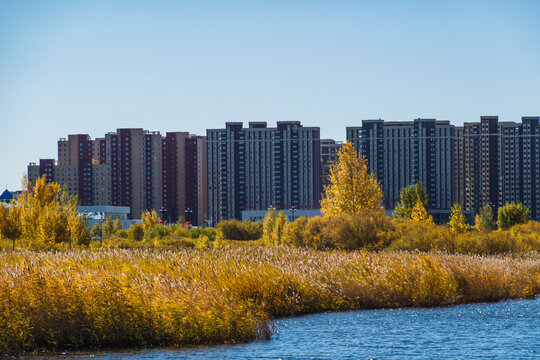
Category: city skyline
<point>236,169</point>
<point>92,67</point>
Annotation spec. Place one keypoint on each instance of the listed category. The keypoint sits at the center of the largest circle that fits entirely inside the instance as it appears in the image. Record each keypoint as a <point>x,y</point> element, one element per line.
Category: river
<point>504,330</point>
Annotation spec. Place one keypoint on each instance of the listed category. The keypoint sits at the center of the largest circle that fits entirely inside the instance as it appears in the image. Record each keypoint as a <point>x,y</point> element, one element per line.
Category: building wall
<point>174,174</point>
<point>329,156</point>
<point>401,153</point>
<point>133,168</point>
<point>258,167</point>
<point>531,165</point>
<point>459,167</point>
<point>195,188</point>
<point>101,184</point>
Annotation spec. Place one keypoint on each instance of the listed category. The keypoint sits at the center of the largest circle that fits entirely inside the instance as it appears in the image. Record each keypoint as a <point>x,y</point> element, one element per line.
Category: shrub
<point>367,229</point>
<point>295,233</point>
<point>180,231</point>
<point>237,230</point>
<point>136,232</point>
<point>157,232</point>
<point>512,214</point>
<point>122,233</point>
<point>484,219</point>
<point>421,235</point>
<point>198,232</point>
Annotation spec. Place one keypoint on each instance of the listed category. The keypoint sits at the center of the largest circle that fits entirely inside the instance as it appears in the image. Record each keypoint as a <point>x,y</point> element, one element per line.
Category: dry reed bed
<point>126,298</point>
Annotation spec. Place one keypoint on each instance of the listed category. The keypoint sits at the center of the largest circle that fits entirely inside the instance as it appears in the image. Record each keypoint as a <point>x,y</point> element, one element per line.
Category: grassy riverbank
<point>127,298</point>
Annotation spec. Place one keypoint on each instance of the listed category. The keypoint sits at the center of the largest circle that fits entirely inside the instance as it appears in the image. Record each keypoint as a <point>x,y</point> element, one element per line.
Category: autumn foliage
<point>44,214</point>
<point>352,189</point>
<point>143,298</point>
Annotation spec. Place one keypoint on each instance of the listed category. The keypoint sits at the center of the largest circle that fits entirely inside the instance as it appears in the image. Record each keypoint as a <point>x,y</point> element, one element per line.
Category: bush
<point>136,232</point>
<point>157,232</point>
<point>122,234</point>
<point>421,235</point>
<point>295,233</point>
<point>198,232</point>
<point>180,231</point>
<point>368,229</point>
<point>237,230</point>
<point>512,214</point>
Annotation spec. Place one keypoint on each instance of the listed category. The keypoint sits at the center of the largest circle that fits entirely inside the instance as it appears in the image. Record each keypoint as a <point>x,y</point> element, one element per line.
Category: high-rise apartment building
<point>257,167</point>
<point>135,168</point>
<point>401,153</point>
<point>500,163</point>
<point>329,156</point>
<point>185,177</point>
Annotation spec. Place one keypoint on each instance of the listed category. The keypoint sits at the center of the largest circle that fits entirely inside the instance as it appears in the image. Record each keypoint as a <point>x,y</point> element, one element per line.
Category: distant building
<point>133,168</point>
<point>329,156</point>
<point>6,197</point>
<point>258,215</point>
<point>257,167</point>
<point>401,153</point>
<point>185,177</point>
<point>500,164</point>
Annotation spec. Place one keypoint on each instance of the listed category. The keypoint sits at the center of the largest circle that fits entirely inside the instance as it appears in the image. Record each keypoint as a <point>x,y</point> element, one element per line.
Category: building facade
<point>401,153</point>
<point>132,168</point>
<point>500,164</point>
<point>329,156</point>
<point>257,167</point>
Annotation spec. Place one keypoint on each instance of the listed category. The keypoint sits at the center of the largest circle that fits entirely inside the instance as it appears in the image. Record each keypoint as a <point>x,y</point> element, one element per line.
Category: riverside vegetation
<point>156,285</point>
<point>142,297</point>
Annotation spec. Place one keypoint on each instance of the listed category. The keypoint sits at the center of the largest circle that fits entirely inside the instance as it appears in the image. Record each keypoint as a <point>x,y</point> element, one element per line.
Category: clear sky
<point>90,67</point>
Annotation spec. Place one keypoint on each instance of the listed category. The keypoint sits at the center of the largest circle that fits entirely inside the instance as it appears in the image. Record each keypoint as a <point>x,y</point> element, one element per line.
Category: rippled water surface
<point>505,330</point>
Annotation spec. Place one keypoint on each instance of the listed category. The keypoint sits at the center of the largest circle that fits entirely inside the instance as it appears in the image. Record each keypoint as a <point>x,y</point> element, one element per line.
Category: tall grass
<point>126,298</point>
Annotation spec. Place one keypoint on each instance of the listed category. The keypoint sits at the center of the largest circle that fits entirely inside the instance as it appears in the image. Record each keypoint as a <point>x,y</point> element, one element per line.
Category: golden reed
<point>132,298</point>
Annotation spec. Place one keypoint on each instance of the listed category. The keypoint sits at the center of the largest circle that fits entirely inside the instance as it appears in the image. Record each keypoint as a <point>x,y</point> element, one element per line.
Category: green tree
<point>419,213</point>
<point>268,225</point>
<point>484,219</point>
<point>352,188</point>
<point>457,222</point>
<point>408,197</point>
<point>512,214</point>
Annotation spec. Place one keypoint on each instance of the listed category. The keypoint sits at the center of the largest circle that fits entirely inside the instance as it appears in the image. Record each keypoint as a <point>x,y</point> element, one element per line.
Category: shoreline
<point>155,298</point>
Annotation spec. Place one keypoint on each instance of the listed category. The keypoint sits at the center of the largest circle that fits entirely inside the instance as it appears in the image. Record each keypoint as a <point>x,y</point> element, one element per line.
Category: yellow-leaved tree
<point>419,213</point>
<point>9,223</point>
<point>279,228</point>
<point>352,189</point>
<point>457,222</point>
<point>149,219</point>
<point>48,214</point>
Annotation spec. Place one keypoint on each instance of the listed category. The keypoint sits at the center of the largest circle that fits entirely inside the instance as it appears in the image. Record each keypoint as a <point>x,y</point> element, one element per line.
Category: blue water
<point>504,330</point>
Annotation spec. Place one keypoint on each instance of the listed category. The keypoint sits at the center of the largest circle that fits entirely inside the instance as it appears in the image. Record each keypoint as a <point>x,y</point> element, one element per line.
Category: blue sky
<point>93,66</point>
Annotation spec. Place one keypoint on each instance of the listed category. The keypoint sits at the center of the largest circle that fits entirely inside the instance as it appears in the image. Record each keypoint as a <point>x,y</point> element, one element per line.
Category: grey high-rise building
<point>500,164</point>
<point>401,153</point>
<point>329,156</point>
<point>257,167</point>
